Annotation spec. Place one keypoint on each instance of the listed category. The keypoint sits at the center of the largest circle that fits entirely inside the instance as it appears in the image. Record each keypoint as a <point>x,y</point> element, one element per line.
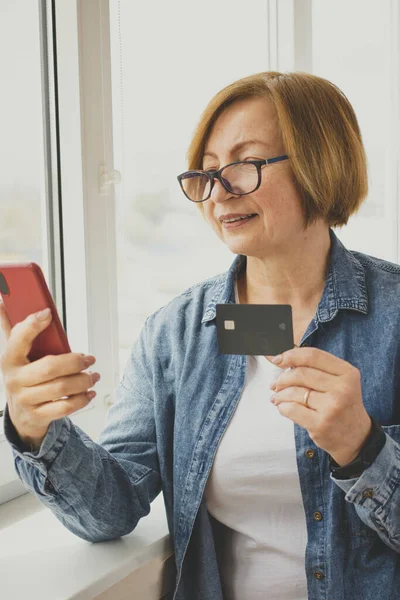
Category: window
<point>166,65</point>
<point>361,55</point>
<point>27,232</point>
<point>48,196</point>
<point>22,191</point>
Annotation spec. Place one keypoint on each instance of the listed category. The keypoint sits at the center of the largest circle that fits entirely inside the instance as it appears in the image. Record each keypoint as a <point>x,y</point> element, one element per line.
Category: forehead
<point>247,119</point>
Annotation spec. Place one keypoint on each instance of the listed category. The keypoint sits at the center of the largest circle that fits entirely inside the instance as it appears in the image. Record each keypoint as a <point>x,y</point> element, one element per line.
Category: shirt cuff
<point>54,440</point>
<point>379,479</point>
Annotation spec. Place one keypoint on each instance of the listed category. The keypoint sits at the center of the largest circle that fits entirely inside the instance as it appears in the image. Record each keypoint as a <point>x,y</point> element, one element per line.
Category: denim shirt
<point>174,402</point>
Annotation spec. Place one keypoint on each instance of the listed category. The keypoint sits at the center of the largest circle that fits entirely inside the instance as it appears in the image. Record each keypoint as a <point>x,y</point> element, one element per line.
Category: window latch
<point>108,178</point>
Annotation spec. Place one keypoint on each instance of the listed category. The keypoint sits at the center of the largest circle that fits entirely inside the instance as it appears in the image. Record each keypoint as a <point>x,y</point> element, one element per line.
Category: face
<point>276,203</point>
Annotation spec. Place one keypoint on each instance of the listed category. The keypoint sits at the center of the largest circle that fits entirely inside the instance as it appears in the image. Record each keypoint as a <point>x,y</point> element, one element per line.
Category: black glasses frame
<point>213,175</point>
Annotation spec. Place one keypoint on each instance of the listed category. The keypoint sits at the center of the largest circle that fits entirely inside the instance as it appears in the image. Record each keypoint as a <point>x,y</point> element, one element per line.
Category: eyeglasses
<point>238,178</point>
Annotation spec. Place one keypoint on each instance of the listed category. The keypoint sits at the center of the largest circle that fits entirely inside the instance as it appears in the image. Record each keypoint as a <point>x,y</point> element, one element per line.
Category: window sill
<point>41,560</point>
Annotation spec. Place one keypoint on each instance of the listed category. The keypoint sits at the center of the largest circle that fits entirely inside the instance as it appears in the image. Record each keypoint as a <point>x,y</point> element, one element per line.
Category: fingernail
<point>272,386</point>
<point>272,399</point>
<point>88,361</point>
<point>277,359</point>
<point>43,314</point>
<point>96,377</point>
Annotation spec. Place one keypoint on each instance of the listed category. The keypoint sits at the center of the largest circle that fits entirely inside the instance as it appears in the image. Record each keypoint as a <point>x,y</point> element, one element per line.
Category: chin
<point>240,247</point>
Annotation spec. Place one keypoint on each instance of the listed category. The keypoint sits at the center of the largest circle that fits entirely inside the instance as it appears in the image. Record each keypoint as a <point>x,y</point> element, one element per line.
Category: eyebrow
<point>239,146</point>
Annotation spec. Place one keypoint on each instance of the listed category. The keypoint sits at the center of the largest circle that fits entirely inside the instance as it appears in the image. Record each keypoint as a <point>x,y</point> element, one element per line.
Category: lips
<point>230,216</point>
<point>238,223</point>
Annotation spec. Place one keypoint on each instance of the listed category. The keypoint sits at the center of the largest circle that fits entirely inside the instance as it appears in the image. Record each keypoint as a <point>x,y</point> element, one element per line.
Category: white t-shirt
<point>254,492</point>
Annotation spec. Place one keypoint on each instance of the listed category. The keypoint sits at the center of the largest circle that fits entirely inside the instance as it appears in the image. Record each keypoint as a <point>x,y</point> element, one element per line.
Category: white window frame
<point>289,35</point>
<point>84,152</point>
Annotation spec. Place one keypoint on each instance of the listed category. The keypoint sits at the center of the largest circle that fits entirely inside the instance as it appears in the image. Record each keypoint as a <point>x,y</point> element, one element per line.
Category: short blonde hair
<point>320,134</point>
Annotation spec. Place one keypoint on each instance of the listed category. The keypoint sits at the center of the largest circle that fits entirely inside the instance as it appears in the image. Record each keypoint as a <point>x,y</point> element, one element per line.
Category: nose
<point>219,193</point>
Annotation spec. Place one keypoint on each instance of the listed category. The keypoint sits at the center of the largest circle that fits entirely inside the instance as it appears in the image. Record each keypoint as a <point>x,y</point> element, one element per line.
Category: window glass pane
<point>355,54</point>
<point>165,70</point>
<point>22,188</point>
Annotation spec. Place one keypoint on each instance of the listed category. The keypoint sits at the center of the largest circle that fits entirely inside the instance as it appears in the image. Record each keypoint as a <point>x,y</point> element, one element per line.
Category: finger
<point>308,419</point>
<point>21,339</point>
<point>271,356</point>
<point>311,357</point>
<point>316,401</point>
<point>52,367</point>
<point>5,321</point>
<point>64,407</point>
<point>305,377</point>
<point>62,387</point>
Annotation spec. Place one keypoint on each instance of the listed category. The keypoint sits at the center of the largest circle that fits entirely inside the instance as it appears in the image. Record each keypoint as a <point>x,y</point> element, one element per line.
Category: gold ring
<point>306,397</point>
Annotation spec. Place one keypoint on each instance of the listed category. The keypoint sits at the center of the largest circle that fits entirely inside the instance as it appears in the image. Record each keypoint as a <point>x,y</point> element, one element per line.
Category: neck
<point>294,274</point>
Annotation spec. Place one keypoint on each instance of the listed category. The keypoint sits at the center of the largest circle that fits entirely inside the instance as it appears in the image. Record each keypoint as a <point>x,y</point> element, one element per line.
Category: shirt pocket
<point>351,524</point>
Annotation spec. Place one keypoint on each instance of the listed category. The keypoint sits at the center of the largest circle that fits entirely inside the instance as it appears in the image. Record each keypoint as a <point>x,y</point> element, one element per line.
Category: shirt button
<point>368,493</point>
<point>318,575</point>
<point>310,453</point>
<point>318,516</point>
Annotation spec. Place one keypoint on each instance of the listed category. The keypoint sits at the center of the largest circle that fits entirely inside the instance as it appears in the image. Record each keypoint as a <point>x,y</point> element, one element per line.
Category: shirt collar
<point>345,286</point>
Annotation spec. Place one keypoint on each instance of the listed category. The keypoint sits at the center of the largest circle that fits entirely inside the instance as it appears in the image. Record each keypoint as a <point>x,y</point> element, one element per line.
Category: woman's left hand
<point>335,418</point>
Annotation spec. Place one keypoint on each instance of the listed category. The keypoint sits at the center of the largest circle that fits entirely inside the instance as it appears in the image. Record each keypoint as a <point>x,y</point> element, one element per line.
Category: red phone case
<point>28,293</point>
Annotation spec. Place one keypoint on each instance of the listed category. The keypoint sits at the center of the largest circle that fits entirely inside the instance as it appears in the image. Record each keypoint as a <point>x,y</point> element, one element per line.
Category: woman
<point>293,499</point>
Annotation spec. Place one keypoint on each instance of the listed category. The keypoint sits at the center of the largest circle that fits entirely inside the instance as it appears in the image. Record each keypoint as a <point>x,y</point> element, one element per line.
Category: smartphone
<point>24,291</point>
<point>254,329</point>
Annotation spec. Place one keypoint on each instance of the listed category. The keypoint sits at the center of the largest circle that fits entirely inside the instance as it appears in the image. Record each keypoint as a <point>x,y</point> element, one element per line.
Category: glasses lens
<point>196,186</point>
<point>241,178</point>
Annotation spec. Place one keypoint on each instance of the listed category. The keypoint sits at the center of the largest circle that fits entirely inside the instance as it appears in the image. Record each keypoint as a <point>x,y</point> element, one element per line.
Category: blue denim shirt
<point>174,402</point>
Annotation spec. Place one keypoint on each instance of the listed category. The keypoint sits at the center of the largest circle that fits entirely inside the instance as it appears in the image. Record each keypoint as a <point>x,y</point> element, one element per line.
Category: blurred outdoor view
<point>167,63</point>
<point>22,188</point>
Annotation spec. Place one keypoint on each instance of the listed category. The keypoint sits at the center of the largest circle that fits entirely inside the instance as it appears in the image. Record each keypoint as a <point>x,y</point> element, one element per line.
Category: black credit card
<point>254,329</point>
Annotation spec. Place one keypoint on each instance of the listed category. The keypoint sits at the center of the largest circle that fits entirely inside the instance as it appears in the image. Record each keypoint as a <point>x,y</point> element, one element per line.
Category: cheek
<point>277,196</point>
<point>209,217</point>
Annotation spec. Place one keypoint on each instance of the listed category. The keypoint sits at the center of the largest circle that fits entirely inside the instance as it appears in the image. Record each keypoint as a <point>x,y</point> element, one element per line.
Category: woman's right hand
<point>44,390</point>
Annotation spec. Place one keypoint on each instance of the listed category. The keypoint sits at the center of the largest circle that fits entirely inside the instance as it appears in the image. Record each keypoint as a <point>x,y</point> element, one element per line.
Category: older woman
<point>288,499</point>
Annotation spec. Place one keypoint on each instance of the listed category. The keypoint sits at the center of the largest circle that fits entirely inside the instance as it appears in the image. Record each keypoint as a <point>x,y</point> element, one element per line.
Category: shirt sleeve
<point>99,491</point>
<point>375,494</point>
